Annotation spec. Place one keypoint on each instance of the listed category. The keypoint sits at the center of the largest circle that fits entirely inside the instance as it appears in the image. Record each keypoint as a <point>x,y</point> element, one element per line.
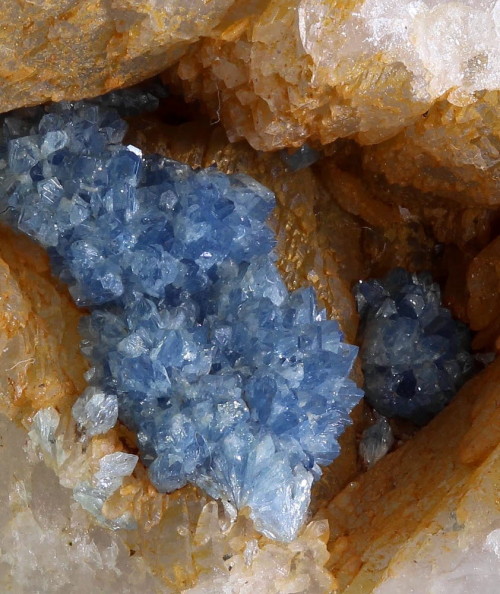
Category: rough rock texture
<point>438,492</point>
<point>40,360</point>
<point>442,569</point>
<point>50,545</point>
<point>98,44</point>
<point>282,72</point>
<point>451,150</point>
<point>421,76</point>
<point>483,284</point>
<point>320,69</point>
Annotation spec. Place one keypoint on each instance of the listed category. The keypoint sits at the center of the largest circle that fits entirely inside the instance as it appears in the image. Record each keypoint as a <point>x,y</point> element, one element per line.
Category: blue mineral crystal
<point>230,382</point>
<point>303,157</point>
<point>414,355</point>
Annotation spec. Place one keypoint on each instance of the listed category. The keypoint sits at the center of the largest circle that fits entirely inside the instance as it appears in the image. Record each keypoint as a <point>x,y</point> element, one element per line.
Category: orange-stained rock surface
<point>97,45</point>
<point>293,70</point>
<point>451,150</point>
<point>442,484</point>
<point>279,73</point>
<point>40,360</point>
<point>483,284</point>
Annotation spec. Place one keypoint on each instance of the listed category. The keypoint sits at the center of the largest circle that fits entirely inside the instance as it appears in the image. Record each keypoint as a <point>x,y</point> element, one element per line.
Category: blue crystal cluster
<point>414,355</point>
<point>230,382</point>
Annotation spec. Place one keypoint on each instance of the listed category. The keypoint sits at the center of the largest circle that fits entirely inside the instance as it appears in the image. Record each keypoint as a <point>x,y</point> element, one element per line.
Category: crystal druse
<point>414,355</point>
<point>229,381</point>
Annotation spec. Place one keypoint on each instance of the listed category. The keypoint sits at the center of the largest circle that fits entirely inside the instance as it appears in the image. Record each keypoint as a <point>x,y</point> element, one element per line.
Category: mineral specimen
<point>283,72</point>
<point>230,382</point>
<point>414,355</point>
<point>419,516</point>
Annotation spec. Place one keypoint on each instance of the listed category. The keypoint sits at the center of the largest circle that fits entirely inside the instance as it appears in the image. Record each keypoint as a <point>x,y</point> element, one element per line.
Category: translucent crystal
<point>415,356</point>
<point>376,441</point>
<point>43,431</point>
<point>95,411</point>
<point>93,495</point>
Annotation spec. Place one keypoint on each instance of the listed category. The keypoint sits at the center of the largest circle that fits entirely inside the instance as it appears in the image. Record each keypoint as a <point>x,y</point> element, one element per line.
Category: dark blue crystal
<point>414,355</point>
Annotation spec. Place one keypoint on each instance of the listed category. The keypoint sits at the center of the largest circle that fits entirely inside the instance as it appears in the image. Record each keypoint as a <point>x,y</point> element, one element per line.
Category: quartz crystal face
<point>415,356</point>
<point>229,381</point>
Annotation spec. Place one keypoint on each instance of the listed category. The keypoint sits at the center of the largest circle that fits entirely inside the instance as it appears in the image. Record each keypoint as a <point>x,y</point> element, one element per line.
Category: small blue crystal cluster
<point>230,382</point>
<point>415,356</point>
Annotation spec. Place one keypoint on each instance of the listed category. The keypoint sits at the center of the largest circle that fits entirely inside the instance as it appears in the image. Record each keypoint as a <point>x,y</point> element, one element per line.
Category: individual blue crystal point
<point>414,355</point>
<point>303,157</point>
<point>230,382</point>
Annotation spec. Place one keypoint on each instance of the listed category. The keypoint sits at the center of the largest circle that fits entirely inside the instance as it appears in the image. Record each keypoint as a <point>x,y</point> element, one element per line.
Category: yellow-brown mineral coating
<point>70,49</point>
<point>40,361</point>
<point>319,70</point>
<point>270,79</point>
<point>282,72</point>
<point>418,492</point>
<point>483,283</point>
<point>452,151</point>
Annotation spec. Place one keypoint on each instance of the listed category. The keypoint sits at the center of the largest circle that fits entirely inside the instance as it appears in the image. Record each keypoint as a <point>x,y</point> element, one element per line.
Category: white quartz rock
<point>48,543</point>
<point>475,569</point>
